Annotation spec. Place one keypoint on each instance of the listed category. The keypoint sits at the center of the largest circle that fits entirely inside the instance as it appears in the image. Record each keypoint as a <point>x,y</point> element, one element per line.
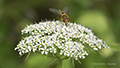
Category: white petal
<point>42,52</point>
<point>46,52</point>
<point>95,48</point>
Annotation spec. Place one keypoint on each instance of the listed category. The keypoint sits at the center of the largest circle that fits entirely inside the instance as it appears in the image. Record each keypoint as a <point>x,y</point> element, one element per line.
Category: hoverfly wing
<point>66,10</point>
<point>55,11</point>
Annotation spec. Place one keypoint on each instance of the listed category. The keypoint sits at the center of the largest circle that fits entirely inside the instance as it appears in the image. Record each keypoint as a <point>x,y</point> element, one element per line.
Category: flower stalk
<point>60,63</point>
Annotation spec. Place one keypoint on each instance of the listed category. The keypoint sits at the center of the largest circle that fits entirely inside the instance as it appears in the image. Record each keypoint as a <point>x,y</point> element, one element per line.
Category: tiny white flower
<point>34,48</point>
<point>76,57</point>
<point>80,46</point>
<point>81,55</point>
<point>70,53</point>
<point>98,45</point>
<point>94,47</point>
<point>44,50</point>
<point>62,52</point>
<point>21,51</point>
<point>53,50</point>
<point>84,52</point>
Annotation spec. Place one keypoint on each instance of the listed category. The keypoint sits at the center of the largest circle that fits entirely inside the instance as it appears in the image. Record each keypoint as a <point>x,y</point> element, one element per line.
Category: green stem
<point>60,63</point>
<point>27,56</point>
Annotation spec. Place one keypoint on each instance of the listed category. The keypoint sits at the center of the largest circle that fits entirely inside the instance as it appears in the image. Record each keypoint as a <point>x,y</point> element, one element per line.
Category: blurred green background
<point>102,16</point>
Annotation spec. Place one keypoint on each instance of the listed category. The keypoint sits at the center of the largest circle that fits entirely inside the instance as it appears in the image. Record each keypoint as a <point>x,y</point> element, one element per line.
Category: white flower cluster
<point>54,37</point>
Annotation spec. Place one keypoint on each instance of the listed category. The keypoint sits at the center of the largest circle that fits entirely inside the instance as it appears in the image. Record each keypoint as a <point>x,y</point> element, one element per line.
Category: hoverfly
<point>63,14</point>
